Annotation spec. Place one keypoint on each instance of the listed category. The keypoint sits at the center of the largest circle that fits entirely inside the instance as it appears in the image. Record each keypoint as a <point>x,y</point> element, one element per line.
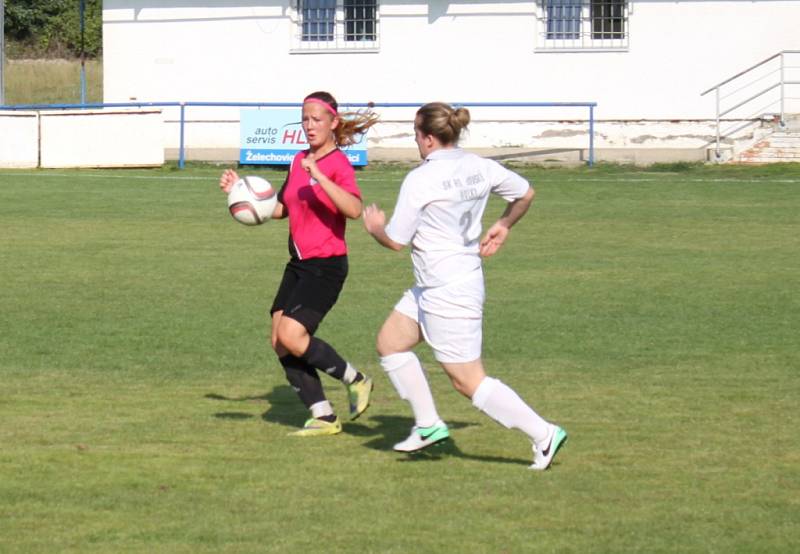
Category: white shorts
<point>450,318</point>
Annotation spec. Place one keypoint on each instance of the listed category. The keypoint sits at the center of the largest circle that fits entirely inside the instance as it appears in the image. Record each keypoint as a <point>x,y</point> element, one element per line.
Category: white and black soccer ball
<point>252,200</point>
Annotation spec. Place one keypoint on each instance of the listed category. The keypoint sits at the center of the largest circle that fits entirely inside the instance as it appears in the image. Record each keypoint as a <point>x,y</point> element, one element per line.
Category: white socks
<point>350,373</point>
<point>321,409</point>
<point>492,397</point>
<point>501,403</point>
<point>406,374</point>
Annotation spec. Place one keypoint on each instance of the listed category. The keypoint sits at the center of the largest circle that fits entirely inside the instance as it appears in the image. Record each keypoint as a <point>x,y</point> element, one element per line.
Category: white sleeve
<point>406,216</point>
<point>505,183</point>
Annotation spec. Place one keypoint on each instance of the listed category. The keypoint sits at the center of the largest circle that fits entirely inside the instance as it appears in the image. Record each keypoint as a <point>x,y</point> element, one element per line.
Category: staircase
<point>765,83</point>
<point>780,146</point>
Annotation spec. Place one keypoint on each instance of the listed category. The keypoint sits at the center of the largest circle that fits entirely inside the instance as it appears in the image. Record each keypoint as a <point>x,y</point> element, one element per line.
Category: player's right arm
<point>226,181</point>
<point>375,223</point>
<point>229,177</point>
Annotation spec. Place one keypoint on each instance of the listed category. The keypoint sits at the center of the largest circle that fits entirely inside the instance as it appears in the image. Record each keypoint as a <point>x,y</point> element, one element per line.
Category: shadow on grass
<point>450,449</point>
<point>380,432</point>
<point>284,407</point>
<point>391,429</point>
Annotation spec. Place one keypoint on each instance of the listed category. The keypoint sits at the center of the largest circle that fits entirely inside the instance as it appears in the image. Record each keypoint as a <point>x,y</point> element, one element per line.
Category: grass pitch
<point>654,314</point>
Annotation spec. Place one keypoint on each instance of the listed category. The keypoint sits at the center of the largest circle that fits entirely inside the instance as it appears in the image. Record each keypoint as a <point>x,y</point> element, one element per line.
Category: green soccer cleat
<point>359,393</point>
<point>318,427</point>
<point>423,437</point>
<point>543,456</point>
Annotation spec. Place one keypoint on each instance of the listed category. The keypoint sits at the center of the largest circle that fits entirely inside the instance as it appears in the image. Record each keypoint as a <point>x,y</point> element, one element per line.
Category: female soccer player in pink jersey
<point>438,212</point>
<point>319,195</point>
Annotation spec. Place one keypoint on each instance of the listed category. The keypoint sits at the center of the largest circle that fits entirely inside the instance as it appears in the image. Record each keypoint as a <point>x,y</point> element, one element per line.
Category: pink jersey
<point>316,227</point>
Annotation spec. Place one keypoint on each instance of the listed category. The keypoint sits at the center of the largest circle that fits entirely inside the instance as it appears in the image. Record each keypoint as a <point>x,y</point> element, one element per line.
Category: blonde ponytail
<point>442,121</point>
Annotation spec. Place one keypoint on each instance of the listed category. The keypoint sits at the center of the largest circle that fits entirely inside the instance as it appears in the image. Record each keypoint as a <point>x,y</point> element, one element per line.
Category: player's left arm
<point>280,211</point>
<point>497,233</point>
<point>346,202</point>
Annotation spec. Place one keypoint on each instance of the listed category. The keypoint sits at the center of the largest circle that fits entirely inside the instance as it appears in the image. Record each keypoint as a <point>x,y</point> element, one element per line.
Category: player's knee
<point>394,361</point>
<point>383,345</point>
<point>389,343</point>
<point>466,388</point>
<point>466,378</point>
<point>292,340</point>
<point>278,348</point>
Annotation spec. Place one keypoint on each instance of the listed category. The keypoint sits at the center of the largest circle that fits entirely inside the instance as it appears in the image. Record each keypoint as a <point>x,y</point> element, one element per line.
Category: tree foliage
<point>53,28</point>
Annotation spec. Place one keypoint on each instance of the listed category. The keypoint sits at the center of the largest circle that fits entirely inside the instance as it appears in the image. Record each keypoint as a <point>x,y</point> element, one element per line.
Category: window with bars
<point>584,24</point>
<point>318,19</point>
<point>360,21</point>
<point>337,24</point>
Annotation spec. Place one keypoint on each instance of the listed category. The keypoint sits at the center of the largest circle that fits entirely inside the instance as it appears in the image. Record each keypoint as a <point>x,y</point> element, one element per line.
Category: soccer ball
<point>251,200</point>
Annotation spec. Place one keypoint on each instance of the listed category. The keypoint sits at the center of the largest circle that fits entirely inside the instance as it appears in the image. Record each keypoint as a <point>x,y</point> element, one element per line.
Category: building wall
<point>214,50</point>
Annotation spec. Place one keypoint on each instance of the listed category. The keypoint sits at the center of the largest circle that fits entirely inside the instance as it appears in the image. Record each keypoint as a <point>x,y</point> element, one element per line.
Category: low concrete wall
<point>639,142</point>
<point>535,156</point>
<point>101,138</point>
<point>19,139</point>
<point>145,137</point>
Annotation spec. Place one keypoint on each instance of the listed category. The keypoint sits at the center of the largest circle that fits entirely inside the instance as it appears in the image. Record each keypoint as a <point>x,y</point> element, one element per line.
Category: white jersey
<point>439,212</point>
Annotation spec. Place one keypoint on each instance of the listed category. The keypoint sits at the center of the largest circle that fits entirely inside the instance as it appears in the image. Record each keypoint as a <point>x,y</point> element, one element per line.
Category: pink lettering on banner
<point>294,137</point>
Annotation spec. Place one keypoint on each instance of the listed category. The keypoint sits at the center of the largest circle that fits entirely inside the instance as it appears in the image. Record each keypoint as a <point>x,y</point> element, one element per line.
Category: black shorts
<point>309,289</point>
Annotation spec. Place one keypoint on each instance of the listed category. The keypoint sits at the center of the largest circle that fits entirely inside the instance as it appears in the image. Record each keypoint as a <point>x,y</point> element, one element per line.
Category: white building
<point>644,62</point>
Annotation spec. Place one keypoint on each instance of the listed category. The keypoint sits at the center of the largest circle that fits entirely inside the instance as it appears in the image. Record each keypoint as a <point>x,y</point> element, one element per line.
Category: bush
<point>51,28</point>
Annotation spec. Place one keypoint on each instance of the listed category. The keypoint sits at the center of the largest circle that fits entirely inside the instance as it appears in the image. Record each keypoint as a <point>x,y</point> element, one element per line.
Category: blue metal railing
<point>183,105</point>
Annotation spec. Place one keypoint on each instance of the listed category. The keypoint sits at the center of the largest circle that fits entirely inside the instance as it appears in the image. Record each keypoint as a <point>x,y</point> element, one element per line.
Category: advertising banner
<point>273,136</point>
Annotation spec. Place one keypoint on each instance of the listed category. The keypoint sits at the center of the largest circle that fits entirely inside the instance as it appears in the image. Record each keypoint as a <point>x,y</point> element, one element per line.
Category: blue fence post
<point>181,156</point>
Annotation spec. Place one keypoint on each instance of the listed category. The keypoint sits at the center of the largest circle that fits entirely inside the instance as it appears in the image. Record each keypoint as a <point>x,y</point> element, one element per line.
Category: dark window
<point>608,19</point>
<point>359,19</point>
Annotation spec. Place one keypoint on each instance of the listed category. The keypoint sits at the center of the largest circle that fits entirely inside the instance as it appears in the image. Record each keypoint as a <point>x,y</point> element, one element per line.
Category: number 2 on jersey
<point>466,223</point>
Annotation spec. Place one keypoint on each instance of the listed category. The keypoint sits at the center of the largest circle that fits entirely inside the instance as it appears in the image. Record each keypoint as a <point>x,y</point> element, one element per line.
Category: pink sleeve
<point>345,177</point>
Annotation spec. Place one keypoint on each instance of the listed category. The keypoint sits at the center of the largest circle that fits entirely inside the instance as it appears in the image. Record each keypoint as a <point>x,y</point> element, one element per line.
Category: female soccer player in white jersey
<point>438,213</point>
<point>319,195</point>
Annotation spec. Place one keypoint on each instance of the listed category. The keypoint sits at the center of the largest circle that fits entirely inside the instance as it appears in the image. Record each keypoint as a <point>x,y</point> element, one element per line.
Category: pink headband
<point>322,102</point>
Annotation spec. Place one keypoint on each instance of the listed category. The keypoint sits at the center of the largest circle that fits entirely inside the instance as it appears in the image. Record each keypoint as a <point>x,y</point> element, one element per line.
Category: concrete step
<point>788,156</point>
<point>766,161</point>
<point>792,123</point>
<point>780,146</point>
<point>786,142</point>
<point>786,132</point>
<point>758,158</point>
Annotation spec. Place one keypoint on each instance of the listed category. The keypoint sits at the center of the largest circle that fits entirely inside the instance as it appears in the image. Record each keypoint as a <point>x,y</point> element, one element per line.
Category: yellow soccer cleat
<point>359,393</point>
<point>318,427</point>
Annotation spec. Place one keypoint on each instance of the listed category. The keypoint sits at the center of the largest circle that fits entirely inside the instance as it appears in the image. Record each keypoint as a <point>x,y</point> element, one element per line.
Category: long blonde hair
<point>442,121</point>
<point>351,124</point>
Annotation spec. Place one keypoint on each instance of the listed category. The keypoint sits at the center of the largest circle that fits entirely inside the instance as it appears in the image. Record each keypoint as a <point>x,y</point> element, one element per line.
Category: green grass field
<point>652,313</point>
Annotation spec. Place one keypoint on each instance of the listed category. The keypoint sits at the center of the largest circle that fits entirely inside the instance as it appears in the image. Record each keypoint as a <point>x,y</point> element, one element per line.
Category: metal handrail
<point>743,102</point>
<point>782,82</point>
<point>184,105</point>
<point>749,69</point>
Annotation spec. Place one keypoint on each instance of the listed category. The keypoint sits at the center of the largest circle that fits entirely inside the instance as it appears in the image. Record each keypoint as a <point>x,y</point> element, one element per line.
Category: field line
<point>375,180</point>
